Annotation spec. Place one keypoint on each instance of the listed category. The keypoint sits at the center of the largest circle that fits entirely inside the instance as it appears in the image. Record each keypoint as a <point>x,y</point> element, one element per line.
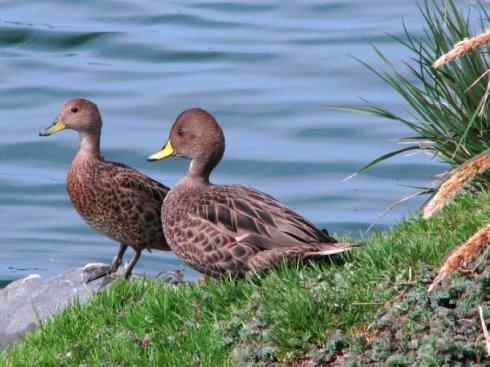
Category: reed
<point>455,183</point>
<point>463,255</point>
<point>461,48</point>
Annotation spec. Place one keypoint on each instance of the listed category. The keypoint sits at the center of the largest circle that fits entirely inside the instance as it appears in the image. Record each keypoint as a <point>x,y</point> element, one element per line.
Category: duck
<point>116,200</point>
<point>229,230</point>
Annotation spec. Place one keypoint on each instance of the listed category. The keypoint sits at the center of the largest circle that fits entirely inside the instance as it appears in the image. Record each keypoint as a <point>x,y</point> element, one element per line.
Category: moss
<point>440,329</point>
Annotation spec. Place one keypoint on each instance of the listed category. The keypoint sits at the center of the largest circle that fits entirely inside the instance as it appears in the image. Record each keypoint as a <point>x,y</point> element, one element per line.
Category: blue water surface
<point>268,70</point>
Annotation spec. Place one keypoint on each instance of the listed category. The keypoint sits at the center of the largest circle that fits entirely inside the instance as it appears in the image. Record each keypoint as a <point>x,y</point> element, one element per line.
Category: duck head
<point>78,114</point>
<point>195,135</point>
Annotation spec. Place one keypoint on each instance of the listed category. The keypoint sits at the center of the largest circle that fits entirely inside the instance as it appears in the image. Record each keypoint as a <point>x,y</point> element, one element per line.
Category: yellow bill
<point>165,152</point>
<point>57,126</point>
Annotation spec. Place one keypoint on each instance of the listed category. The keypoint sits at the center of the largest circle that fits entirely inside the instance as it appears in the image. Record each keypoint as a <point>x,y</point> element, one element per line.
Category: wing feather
<point>257,219</point>
<point>128,178</point>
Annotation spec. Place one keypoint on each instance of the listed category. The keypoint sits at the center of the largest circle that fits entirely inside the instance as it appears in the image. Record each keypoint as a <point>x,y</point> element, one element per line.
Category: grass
<point>280,317</point>
<point>447,107</point>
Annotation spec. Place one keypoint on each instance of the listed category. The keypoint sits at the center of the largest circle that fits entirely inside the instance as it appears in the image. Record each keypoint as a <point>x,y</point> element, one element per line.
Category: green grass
<point>281,316</point>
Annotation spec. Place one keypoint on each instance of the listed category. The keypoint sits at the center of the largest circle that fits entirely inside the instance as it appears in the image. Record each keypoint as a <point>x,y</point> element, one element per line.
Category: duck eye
<point>74,109</point>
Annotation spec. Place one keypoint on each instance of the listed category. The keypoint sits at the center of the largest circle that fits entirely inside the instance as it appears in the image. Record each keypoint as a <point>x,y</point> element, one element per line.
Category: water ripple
<point>48,40</point>
<point>266,69</point>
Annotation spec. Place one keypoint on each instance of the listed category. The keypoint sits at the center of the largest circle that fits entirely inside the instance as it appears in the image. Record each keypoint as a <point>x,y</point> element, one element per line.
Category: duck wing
<point>257,220</point>
<point>125,177</point>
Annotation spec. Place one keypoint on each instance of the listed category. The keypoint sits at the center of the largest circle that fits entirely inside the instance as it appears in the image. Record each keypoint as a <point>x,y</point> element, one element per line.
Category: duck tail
<point>327,249</point>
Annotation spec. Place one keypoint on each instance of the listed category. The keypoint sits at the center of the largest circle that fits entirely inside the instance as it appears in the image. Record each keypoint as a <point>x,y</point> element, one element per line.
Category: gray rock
<point>27,302</point>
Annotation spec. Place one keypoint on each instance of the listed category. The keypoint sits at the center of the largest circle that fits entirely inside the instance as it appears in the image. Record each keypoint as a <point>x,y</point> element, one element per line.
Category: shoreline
<point>312,314</point>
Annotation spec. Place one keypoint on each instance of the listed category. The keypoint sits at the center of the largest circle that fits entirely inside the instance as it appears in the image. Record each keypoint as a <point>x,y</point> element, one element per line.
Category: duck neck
<point>90,144</point>
<point>202,165</point>
<point>199,170</point>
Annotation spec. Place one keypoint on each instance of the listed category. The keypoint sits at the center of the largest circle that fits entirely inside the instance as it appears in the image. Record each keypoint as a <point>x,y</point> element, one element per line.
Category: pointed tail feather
<point>326,249</point>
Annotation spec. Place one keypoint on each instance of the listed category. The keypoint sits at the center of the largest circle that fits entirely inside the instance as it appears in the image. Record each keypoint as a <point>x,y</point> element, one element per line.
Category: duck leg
<point>132,263</point>
<point>117,261</point>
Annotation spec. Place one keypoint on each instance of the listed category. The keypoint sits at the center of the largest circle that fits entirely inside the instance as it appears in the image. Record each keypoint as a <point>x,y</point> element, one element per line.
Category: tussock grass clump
<point>447,105</point>
<point>292,315</point>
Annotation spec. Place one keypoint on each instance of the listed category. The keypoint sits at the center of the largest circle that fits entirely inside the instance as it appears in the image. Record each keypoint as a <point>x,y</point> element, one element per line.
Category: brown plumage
<point>229,229</point>
<point>116,200</point>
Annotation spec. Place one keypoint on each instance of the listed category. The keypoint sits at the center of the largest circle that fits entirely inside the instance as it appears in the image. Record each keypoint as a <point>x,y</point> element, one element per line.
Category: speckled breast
<point>98,205</point>
<point>83,195</point>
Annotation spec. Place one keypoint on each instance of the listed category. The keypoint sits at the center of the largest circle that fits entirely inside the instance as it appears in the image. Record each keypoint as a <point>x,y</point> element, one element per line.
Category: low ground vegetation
<point>372,308</point>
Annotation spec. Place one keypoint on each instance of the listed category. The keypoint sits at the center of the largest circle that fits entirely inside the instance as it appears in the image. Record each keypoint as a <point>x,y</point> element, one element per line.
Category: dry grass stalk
<point>463,255</point>
<point>482,106</point>
<point>485,330</point>
<point>463,47</point>
<point>456,181</point>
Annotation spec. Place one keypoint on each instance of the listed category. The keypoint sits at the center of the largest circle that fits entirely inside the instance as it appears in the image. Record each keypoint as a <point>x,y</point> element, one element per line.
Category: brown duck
<point>231,229</point>
<point>116,200</point>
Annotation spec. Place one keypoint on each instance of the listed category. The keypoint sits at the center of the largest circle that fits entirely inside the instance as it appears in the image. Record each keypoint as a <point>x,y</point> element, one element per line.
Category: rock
<point>26,302</point>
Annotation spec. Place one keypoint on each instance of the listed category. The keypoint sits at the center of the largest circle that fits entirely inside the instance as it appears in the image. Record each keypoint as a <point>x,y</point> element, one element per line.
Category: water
<point>266,70</point>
